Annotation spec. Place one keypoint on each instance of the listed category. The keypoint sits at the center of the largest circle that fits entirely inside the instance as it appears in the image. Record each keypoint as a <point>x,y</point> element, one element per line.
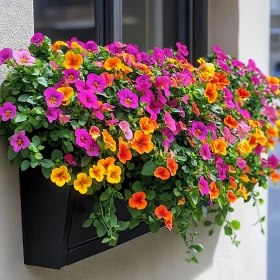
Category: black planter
<point>52,219</point>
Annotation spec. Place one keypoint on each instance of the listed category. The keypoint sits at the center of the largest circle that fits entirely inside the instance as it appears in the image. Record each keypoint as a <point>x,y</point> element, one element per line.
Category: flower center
<point>198,132</point>
<point>83,139</point>
<point>52,100</point>
<point>23,60</point>
<point>113,175</point>
<point>71,78</point>
<point>8,113</point>
<point>95,84</point>
<point>128,101</point>
<point>19,142</point>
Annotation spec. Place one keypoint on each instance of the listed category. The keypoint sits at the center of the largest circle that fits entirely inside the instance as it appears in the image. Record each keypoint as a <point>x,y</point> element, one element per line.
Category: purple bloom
<point>169,121</point>
<point>199,130</point>
<point>228,96</point>
<point>93,149</point>
<point>19,141</point>
<point>115,48</point>
<point>273,162</point>
<point>158,58</point>
<point>168,137</point>
<point>238,64</point>
<point>91,46</point>
<point>223,65</point>
<point>228,137</point>
<point>143,83</point>
<point>37,39</point>
<point>5,55</point>
<point>83,138</point>
<point>23,57</point>
<point>153,107</point>
<point>163,83</point>
<point>255,80</point>
<point>96,83</point>
<point>243,130</point>
<point>183,79</point>
<point>81,85</point>
<point>241,163</point>
<point>222,168</point>
<point>219,53</point>
<point>133,49</point>
<point>61,83</point>
<point>182,49</point>
<point>88,99</point>
<point>244,113</point>
<point>71,75</point>
<point>52,114</point>
<point>128,99</point>
<point>185,99</point>
<point>205,152</point>
<point>8,111</point>
<point>213,128</point>
<point>203,186</point>
<point>145,58</point>
<point>53,97</point>
<point>168,52</point>
<point>258,150</point>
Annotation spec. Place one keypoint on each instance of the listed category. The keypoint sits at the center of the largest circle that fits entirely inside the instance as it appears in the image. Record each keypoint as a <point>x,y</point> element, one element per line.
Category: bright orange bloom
<point>138,201</point>
<point>243,191</point>
<point>68,92</point>
<point>147,125</point>
<point>254,124</point>
<point>142,143</point>
<point>272,132</point>
<point>231,121</point>
<point>247,169</point>
<point>124,153</point>
<point>254,180</point>
<point>231,197</point>
<point>162,212</point>
<point>162,173</point>
<point>220,80</point>
<point>244,178</point>
<point>195,109</point>
<point>168,224</point>
<point>244,147</point>
<point>231,169</point>
<point>125,69</point>
<point>182,201</point>
<point>113,174</point>
<point>72,60</point>
<point>108,78</point>
<point>172,165</point>
<point>270,144</point>
<point>106,163</point>
<point>243,93</point>
<point>219,146</point>
<point>213,190</point>
<point>232,182</point>
<point>97,172</point>
<point>94,132</point>
<point>275,177</point>
<point>112,63</point>
<point>57,46</point>
<point>253,140</point>
<point>110,143</point>
<point>82,183</point>
<point>60,176</point>
<point>211,93</point>
<point>272,80</point>
<point>278,124</point>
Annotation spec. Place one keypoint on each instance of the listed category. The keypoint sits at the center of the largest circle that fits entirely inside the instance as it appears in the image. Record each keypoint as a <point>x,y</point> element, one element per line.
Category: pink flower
<point>111,122</point>
<point>169,121</point>
<point>243,130</point>
<point>93,149</point>
<point>168,137</point>
<point>128,99</point>
<point>185,99</point>
<point>258,150</point>
<point>241,163</point>
<point>273,162</point>
<point>81,85</point>
<point>5,55</point>
<point>71,75</point>
<point>205,152</point>
<point>182,49</point>
<point>203,186</point>
<point>125,128</point>
<point>55,67</point>
<point>52,114</point>
<point>199,130</point>
<point>89,100</point>
<point>83,138</point>
<point>94,132</point>
<point>68,158</point>
<point>91,46</point>
<point>23,57</point>
<point>96,83</point>
<point>53,97</point>
<point>63,119</point>
<point>37,39</point>
<point>223,65</point>
<point>163,83</point>
<point>19,141</point>
<point>8,111</point>
<point>143,84</point>
<point>228,137</point>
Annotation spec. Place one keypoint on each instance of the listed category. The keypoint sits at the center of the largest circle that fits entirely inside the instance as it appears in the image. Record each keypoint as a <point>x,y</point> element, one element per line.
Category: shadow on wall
<point>152,256</point>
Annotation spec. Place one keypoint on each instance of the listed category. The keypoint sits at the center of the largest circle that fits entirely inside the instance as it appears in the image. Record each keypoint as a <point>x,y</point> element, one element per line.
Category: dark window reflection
<point>64,19</point>
<point>150,23</point>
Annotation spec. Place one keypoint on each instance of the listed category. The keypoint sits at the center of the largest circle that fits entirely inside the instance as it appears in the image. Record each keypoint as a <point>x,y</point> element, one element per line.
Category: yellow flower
<point>114,174</point>
<point>109,141</point>
<point>60,176</point>
<point>243,191</point>
<point>82,183</point>
<point>244,147</point>
<point>106,163</point>
<point>97,172</point>
<point>245,178</point>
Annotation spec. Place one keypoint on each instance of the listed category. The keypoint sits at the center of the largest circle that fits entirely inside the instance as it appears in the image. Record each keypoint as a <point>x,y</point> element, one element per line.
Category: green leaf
<point>210,233</point>
<point>207,223</point>
<point>23,97</point>
<point>85,160</point>
<point>104,196</point>
<point>11,153</point>
<point>197,247</point>
<point>134,212</point>
<point>123,225</point>
<point>46,172</point>
<point>101,230</point>
<point>36,140</point>
<point>137,186</point>
<point>219,220</point>
<point>148,168</point>
<point>127,194</point>
<point>154,227</point>
<point>113,220</point>
<point>165,196</point>
<point>130,166</point>
<point>64,133</point>
<point>118,195</point>
<point>150,194</point>
<point>228,230</point>
<point>56,154</point>
<point>235,224</point>
<point>54,135</point>
<point>133,223</point>
<point>193,198</point>
<point>106,240</point>
<point>176,192</point>
<point>25,165</point>
<point>43,81</point>
<point>47,163</point>
<point>87,223</point>
<point>20,118</point>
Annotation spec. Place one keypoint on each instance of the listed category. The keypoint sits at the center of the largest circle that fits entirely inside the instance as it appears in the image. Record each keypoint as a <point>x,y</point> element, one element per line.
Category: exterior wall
<point>161,256</point>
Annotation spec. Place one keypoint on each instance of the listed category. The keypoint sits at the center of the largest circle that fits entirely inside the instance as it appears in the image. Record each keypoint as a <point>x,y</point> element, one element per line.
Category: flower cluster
<point>174,141</point>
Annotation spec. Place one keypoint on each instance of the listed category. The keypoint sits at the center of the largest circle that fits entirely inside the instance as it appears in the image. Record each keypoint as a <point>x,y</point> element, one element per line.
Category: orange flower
<point>97,172</point>
<point>124,153</point>
<point>57,46</point>
<point>94,132</point>
<point>253,140</point>
<point>231,121</point>
<point>162,173</point>
<point>195,109</point>
<point>270,144</point>
<point>76,45</point>
<point>245,178</point>
<point>114,174</point>
<point>232,182</point>
<point>231,169</point>
<point>272,132</point>
<point>243,93</point>
<point>220,80</point>
<point>247,169</point>
<point>244,147</point>
<point>147,125</point>
<point>272,80</point>
<point>138,201</point>
<point>110,143</point>
<point>214,191</point>
<point>112,63</point>
<point>126,70</point>
<point>68,92</point>
<point>162,212</point>
<point>219,146</point>
<point>182,201</point>
<point>254,180</point>
<point>172,165</point>
<point>72,60</point>
<point>60,176</point>
<point>108,78</point>
<point>278,124</point>
<point>275,177</point>
<point>168,224</point>
<point>82,183</point>
<point>106,162</point>
<point>243,191</point>
<point>142,143</point>
<point>211,93</point>
<point>254,124</point>
<point>231,197</point>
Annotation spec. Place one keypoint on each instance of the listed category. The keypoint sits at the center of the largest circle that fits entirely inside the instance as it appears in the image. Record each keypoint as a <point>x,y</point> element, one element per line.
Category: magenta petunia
<point>23,57</point>
<point>273,162</point>
<point>52,114</point>
<point>83,138</point>
<point>88,99</point>
<point>169,121</point>
<point>228,136</point>
<point>241,163</point>
<point>199,130</point>
<point>153,107</point>
<point>128,99</point>
<point>68,158</point>
<point>258,150</point>
<point>96,83</point>
<point>53,97</point>
<point>8,111</point>
<point>158,58</point>
<point>185,99</point>
<point>111,122</point>
<point>143,84</point>
<point>91,46</point>
<point>163,83</point>
<point>182,49</point>
<point>203,186</point>
<point>71,75</point>
<point>37,39</point>
<point>19,141</point>
<point>205,152</point>
<point>93,149</point>
<point>5,55</point>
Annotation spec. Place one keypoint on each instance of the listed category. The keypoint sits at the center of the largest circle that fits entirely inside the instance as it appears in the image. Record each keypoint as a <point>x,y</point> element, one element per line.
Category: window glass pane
<point>150,23</point>
<point>64,19</point>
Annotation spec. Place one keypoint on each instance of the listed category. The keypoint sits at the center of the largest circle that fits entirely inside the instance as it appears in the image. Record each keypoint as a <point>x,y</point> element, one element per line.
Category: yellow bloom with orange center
<point>213,190</point>
<point>57,46</point>
<point>97,172</point>
<point>113,174</point>
<point>253,140</point>
<point>110,143</point>
<point>76,45</point>
<point>112,63</point>
<point>148,125</point>
<point>60,176</point>
<point>68,92</point>
<point>272,80</point>
<point>82,183</point>
<point>245,178</point>
<point>211,92</point>
<point>72,60</point>
<point>243,191</point>
<point>219,146</point>
<point>244,147</point>
<point>106,163</point>
<point>278,124</point>
<point>272,132</point>
<point>142,143</point>
<point>270,144</point>
<point>254,124</point>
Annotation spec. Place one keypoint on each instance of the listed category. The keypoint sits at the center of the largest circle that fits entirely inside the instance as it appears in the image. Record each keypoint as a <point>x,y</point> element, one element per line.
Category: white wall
<point>161,256</point>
